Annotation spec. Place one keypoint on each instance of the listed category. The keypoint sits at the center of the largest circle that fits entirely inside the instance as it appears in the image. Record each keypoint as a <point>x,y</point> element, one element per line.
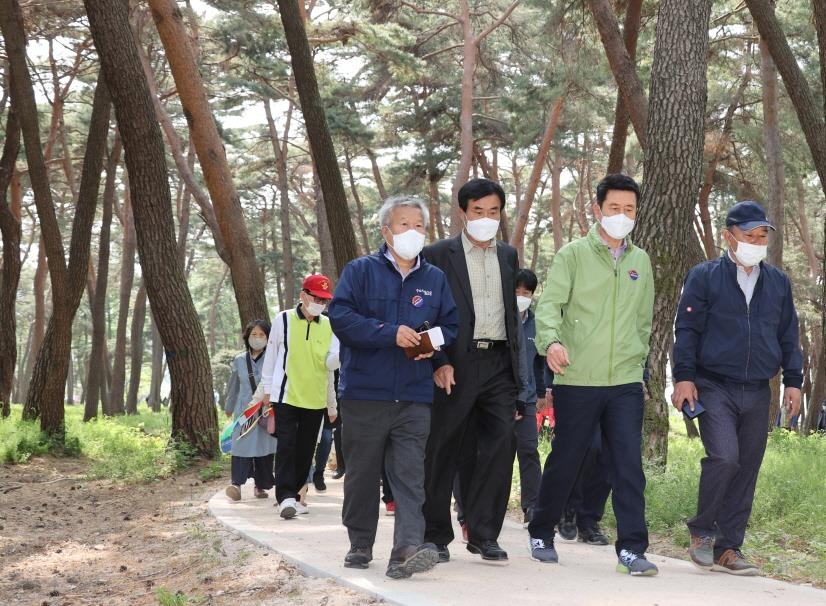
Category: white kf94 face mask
<point>408,244</point>
<point>750,254</point>
<point>523,303</point>
<point>483,229</point>
<point>617,226</point>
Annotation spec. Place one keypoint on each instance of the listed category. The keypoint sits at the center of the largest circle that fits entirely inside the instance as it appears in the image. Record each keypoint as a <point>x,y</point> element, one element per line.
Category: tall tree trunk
<point>376,175</point>
<point>10,270</point>
<point>556,200</point>
<point>524,204</point>
<point>279,148</point>
<point>95,380</point>
<point>247,281</point>
<point>38,328</point>
<point>136,353</point>
<point>318,133</point>
<point>673,160</point>
<point>324,237</point>
<point>365,243</point>
<point>622,66</point>
<point>127,277</point>
<point>194,418</point>
<point>154,397</point>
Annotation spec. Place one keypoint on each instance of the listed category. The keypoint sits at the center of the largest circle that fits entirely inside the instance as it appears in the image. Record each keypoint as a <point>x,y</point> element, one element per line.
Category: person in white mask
<point>477,378</point>
<point>388,308</point>
<point>736,327</point>
<point>297,381</point>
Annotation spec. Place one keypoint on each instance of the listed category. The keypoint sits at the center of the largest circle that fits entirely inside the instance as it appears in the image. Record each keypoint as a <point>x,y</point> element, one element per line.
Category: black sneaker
<point>444,553</point>
<point>318,482</point>
<point>592,536</point>
<point>338,473</point>
<point>358,557</point>
<point>422,559</point>
<point>543,551</point>
<point>567,526</point>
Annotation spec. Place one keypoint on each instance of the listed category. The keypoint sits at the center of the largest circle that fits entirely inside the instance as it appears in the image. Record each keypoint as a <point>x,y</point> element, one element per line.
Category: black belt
<point>485,344</point>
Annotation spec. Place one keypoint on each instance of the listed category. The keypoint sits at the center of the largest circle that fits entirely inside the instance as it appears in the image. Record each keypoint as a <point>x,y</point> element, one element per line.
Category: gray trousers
<point>393,433</point>
<point>734,429</point>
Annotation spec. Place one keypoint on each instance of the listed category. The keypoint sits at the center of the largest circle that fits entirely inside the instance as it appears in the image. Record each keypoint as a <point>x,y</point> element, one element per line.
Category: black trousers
<point>340,465</point>
<point>579,411</point>
<point>476,417</point>
<point>296,429</point>
<point>259,468</point>
<point>590,493</point>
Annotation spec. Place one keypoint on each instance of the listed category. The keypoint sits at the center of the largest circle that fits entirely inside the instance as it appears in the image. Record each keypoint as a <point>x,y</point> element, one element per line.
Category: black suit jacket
<point>449,256</point>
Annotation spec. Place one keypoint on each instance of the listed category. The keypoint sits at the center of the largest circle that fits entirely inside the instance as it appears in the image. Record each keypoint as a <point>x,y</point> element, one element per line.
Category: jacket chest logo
<point>417,301</point>
<point>633,274</point>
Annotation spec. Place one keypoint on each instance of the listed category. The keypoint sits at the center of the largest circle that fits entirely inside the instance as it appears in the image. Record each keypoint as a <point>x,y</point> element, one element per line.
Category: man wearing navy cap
<point>736,327</point>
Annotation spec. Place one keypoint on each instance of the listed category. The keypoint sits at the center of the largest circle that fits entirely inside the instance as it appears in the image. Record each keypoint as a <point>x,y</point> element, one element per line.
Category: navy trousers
<point>734,432</point>
<point>619,410</point>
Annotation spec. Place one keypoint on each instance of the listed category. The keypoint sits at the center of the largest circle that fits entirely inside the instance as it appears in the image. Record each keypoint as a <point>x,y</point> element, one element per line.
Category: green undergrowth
<point>786,533</point>
<point>135,448</point>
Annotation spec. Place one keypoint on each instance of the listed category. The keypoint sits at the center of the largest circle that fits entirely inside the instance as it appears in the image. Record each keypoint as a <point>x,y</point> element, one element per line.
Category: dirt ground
<point>68,541</point>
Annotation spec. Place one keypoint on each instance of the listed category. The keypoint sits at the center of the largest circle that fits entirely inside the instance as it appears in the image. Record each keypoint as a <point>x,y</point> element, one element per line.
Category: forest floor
<point>66,541</point>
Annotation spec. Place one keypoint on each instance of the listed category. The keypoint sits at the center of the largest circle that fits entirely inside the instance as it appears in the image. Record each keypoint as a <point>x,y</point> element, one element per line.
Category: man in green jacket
<point>594,322</point>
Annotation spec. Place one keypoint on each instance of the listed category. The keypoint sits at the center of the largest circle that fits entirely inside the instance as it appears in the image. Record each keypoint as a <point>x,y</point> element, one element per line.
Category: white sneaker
<point>288,508</point>
<point>300,508</point>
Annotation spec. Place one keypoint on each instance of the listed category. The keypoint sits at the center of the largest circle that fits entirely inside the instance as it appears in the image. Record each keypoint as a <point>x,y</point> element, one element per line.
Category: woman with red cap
<point>297,380</point>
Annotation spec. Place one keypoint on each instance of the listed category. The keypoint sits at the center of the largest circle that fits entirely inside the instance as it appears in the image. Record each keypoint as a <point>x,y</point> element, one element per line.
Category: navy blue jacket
<point>718,335</point>
<point>370,302</point>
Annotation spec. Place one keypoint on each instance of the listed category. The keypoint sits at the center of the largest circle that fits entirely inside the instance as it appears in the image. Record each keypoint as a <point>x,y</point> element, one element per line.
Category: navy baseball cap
<point>747,215</point>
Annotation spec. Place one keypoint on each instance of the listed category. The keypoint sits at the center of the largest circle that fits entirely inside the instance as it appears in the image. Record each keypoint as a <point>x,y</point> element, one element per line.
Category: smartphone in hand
<point>693,414</point>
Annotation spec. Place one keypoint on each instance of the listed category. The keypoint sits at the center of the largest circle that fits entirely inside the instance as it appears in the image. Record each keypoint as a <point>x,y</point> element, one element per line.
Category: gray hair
<point>396,201</point>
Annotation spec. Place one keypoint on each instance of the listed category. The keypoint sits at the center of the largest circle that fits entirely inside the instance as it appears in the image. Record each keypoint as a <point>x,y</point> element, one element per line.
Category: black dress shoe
<point>444,553</point>
<point>338,474</point>
<point>488,549</point>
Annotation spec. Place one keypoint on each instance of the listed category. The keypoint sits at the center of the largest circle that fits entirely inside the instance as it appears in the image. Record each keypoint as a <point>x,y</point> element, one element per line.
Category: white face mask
<point>257,343</point>
<point>313,308</point>
<point>750,254</point>
<point>617,226</point>
<point>482,230</point>
<point>523,303</point>
<point>407,244</point>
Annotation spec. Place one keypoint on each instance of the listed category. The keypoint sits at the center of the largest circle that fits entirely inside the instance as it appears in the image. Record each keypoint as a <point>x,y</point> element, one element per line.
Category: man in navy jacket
<point>736,327</point>
<point>381,304</point>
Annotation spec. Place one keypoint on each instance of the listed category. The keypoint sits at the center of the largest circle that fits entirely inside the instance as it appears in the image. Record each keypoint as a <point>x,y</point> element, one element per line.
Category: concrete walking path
<point>317,543</point>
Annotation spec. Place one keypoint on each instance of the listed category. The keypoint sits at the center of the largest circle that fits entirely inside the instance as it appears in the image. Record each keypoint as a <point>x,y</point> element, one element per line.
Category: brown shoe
<point>733,561</point>
<point>302,494</point>
<point>260,493</point>
<point>233,492</point>
<point>701,553</point>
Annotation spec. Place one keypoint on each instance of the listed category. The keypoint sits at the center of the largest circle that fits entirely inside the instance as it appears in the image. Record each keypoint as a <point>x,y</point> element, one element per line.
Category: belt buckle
<point>483,344</point>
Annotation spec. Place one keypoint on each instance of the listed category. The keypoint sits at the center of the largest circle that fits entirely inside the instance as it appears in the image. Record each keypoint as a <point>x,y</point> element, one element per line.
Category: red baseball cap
<point>319,286</point>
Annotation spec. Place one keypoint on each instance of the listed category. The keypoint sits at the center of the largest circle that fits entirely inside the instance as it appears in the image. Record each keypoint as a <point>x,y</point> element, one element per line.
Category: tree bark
<point>96,377</point>
<point>524,205</point>
<point>556,201</point>
<point>136,353</point>
<point>247,281</point>
<point>365,243</point>
<point>324,237</point>
<point>673,160</point>
<point>154,397</point>
<point>318,133</point>
<point>630,33</point>
<point>127,277</point>
<point>194,418</point>
<point>12,264</point>
<point>622,66</point>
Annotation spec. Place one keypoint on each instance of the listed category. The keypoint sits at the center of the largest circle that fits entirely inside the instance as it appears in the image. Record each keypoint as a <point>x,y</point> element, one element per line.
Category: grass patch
<point>134,448</point>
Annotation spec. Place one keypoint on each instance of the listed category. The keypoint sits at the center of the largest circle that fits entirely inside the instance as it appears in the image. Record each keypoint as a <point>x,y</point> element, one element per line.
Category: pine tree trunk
<point>154,397</point>
<point>556,201</point>
<point>12,263</point>
<point>318,133</point>
<point>38,328</point>
<point>136,354</point>
<point>194,418</point>
<point>325,246</point>
<point>127,277</point>
<point>673,159</point>
<point>247,281</point>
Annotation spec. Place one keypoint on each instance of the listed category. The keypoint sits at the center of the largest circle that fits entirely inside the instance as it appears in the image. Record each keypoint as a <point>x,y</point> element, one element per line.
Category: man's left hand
<point>791,399</point>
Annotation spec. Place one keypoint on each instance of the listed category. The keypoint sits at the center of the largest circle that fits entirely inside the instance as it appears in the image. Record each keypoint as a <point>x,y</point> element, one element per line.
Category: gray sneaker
<point>733,561</point>
<point>635,564</point>
<point>543,551</point>
<point>701,552</point>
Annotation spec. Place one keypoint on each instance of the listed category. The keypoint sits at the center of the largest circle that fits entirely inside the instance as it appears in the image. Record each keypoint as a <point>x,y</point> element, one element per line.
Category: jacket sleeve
<point>690,324</point>
<point>645,313</point>
<point>350,325</point>
<point>527,383</point>
<point>539,375</point>
<point>448,321</point>
<point>274,345</point>
<point>333,362</point>
<point>789,337</point>
<point>233,387</point>
<point>332,403</point>
<point>555,296</point>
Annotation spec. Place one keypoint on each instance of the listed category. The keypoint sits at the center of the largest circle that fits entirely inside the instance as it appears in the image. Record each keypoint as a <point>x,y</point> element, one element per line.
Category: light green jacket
<point>599,310</point>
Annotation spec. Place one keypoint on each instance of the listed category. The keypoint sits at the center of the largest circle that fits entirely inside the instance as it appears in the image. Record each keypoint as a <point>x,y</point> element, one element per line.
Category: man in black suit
<point>477,378</point>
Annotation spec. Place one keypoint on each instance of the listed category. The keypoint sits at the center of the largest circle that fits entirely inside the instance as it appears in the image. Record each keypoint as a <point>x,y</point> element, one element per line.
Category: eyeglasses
<point>314,298</point>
